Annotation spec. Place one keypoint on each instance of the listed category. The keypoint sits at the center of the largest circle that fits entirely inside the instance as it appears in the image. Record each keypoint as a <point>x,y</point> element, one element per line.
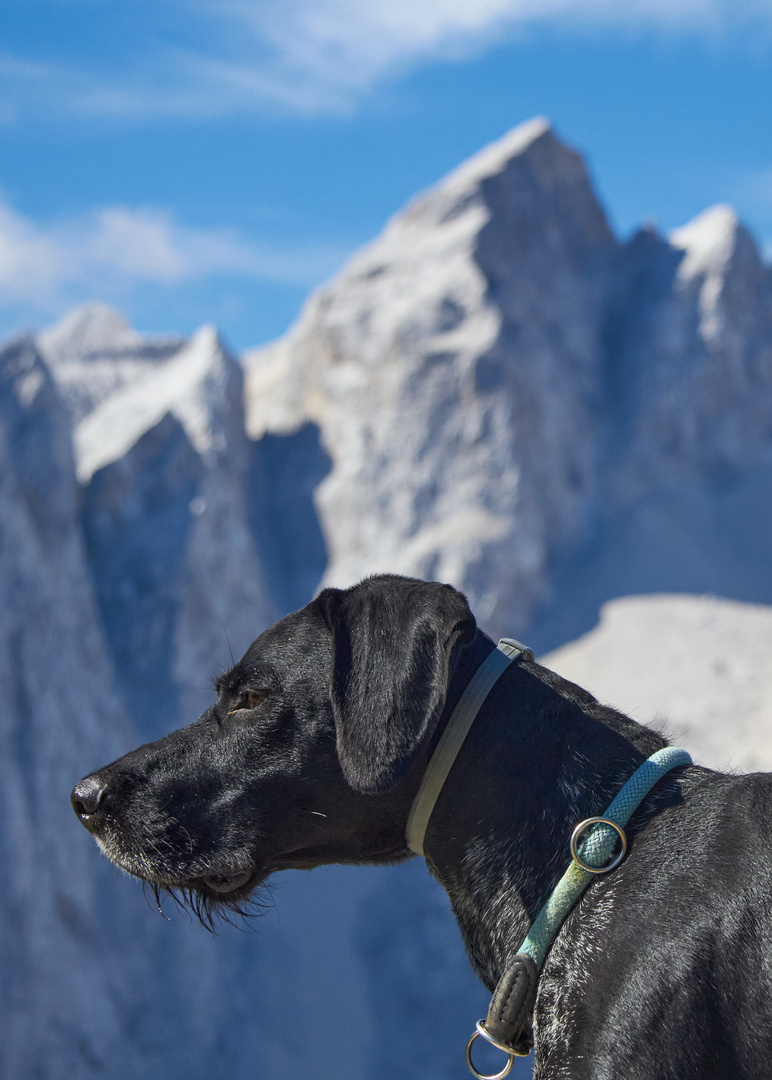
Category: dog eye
<point>250,699</point>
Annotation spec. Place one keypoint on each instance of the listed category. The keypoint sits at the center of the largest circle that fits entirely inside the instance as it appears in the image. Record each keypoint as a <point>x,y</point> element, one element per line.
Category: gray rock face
<point>137,521</point>
<point>685,467</point>
<point>495,392</point>
<point>124,594</point>
<point>453,369</point>
<point>285,471</point>
<point>119,597</point>
<point>508,395</point>
<point>166,512</point>
<point>48,895</point>
<point>691,356</point>
<point>67,1002</point>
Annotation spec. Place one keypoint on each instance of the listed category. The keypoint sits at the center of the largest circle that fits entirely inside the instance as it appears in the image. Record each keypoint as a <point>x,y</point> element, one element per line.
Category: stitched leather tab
<point>509,1014</point>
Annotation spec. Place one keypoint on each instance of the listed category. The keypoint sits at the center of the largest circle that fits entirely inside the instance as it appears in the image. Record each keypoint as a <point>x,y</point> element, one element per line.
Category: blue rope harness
<point>597,846</point>
<point>593,849</point>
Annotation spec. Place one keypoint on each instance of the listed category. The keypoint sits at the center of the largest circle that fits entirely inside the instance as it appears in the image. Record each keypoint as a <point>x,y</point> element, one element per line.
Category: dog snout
<point>87,796</point>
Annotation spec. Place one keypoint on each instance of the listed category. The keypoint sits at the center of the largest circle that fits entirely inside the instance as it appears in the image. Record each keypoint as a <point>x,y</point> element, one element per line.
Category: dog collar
<point>441,762</point>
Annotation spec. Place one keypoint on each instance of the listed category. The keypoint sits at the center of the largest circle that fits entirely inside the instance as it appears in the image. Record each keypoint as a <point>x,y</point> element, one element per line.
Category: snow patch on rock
<point>93,353</point>
<point>191,386</point>
<point>707,241</point>
<point>698,666</point>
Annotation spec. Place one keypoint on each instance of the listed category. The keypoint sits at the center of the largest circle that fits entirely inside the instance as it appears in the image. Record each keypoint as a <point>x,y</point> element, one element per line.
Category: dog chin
<point>226,884</point>
<point>230,883</point>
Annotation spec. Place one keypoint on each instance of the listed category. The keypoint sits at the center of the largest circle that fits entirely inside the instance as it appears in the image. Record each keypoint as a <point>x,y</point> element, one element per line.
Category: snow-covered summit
<point>197,385</point>
<point>93,353</point>
<point>529,173</point>
<point>86,332</point>
<point>495,157</point>
<point>708,241</point>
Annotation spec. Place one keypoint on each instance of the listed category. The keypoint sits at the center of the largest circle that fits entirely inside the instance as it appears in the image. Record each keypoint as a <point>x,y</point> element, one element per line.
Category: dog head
<point>311,753</point>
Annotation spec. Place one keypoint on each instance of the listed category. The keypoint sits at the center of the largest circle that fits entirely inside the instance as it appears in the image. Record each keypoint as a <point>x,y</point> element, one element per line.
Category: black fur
<point>313,753</point>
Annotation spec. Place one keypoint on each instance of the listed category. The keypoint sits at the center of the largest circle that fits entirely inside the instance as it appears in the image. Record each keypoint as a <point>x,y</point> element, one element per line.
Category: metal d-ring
<point>481,1033</point>
<point>581,828</point>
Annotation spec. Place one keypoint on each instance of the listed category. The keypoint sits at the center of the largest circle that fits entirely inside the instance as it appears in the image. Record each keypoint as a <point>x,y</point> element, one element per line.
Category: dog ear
<point>393,639</point>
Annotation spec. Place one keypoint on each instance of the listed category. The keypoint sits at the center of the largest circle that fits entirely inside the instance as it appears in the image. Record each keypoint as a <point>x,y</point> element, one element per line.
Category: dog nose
<point>87,796</point>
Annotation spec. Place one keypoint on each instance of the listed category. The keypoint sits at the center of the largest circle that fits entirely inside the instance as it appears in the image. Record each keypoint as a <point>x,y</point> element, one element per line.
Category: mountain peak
<point>90,330</point>
<point>526,182</point>
<point>494,158</point>
<point>708,240</point>
<point>199,385</point>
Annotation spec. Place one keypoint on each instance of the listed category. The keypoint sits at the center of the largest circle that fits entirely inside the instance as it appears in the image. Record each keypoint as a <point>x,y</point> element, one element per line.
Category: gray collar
<point>456,730</point>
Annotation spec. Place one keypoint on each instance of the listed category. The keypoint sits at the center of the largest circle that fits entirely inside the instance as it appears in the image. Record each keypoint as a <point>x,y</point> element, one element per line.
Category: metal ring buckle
<point>481,1033</point>
<point>582,827</point>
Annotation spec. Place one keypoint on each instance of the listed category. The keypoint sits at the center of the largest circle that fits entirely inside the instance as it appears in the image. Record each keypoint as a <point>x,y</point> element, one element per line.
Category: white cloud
<point>109,251</point>
<point>313,56</point>
<point>344,46</point>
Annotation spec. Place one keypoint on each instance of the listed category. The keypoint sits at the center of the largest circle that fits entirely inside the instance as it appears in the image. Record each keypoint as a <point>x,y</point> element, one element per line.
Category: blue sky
<point>197,161</point>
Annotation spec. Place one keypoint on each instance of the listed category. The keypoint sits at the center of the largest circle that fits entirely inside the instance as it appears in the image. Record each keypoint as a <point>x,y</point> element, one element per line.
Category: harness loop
<point>599,846</point>
<point>481,1033</point>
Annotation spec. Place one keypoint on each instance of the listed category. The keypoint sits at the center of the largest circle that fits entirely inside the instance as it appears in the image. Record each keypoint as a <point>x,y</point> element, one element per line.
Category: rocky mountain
<point>464,341</point>
<point>496,392</point>
<point>94,353</point>
<point>90,984</point>
<point>507,392</point>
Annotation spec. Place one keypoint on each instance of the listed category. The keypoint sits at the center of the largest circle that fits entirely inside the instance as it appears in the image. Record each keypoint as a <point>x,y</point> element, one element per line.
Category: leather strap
<point>507,1024</point>
<point>456,731</point>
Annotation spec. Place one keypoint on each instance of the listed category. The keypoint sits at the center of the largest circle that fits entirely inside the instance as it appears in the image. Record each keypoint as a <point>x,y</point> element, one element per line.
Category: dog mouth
<point>224,884</point>
<point>228,882</point>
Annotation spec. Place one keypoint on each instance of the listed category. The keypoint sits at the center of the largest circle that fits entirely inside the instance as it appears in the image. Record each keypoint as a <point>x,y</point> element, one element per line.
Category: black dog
<point>315,749</point>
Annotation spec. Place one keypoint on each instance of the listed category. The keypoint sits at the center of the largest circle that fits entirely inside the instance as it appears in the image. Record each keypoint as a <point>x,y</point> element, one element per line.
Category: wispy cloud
<point>341,48</point>
<point>315,56</point>
<point>111,250</point>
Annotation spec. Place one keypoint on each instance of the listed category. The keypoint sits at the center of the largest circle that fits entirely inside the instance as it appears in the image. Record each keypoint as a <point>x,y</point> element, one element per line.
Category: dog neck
<point>542,755</point>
